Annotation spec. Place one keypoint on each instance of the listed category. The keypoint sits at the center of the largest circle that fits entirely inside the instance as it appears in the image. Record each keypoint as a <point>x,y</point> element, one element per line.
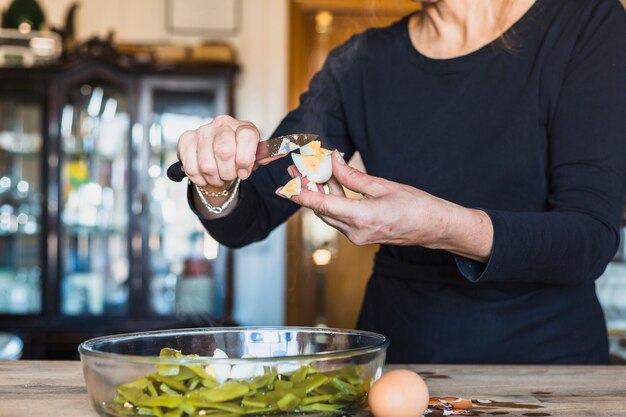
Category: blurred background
<point>94,239</point>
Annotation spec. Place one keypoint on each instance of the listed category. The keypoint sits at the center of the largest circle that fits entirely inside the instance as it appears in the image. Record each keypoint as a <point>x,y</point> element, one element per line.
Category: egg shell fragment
<point>287,146</point>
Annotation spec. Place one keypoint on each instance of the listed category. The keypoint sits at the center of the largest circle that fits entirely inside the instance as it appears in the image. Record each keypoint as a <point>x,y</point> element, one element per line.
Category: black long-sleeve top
<point>534,135</point>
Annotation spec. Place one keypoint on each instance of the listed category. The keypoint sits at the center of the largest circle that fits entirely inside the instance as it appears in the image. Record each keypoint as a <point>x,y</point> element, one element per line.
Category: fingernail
<point>242,173</point>
<point>339,158</point>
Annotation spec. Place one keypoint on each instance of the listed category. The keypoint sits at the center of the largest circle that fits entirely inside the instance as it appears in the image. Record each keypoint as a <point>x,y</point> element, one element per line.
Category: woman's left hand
<point>397,214</point>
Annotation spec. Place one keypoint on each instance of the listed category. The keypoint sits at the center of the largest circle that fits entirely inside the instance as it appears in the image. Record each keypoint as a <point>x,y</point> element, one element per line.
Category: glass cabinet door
<point>95,125</point>
<point>187,267</point>
<point>20,204</point>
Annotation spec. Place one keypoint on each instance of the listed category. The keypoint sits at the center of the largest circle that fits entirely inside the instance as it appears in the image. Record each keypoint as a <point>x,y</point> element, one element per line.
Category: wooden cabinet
<point>93,238</point>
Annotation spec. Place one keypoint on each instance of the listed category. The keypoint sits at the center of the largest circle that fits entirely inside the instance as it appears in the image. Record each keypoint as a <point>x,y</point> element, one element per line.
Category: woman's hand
<point>397,214</point>
<point>217,153</point>
<point>213,157</point>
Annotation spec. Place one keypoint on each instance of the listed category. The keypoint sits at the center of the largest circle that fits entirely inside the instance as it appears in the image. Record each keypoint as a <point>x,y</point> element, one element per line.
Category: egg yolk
<point>312,162</point>
<point>292,188</point>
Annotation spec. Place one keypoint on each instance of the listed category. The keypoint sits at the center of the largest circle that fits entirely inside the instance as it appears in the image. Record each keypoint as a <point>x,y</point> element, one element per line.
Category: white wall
<point>261,97</point>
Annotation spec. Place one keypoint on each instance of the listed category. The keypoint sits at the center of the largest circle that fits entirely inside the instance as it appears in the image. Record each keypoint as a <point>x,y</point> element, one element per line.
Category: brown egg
<point>399,393</point>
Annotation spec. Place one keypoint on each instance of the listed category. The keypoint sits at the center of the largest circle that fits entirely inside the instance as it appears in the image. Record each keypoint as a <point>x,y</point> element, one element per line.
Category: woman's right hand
<point>219,152</point>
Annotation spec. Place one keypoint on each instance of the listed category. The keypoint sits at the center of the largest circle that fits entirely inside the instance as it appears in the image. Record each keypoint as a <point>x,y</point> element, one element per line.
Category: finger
<point>186,140</point>
<point>356,180</point>
<point>224,120</point>
<point>187,155</point>
<point>310,185</point>
<point>293,171</point>
<point>224,151</point>
<point>335,188</point>
<point>247,138</point>
<point>207,166</point>
<point>337,224</point>
<point>340,208</point>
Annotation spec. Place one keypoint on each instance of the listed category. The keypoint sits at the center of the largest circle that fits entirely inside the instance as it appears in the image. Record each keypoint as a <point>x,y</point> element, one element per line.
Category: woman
<point>493,136</point>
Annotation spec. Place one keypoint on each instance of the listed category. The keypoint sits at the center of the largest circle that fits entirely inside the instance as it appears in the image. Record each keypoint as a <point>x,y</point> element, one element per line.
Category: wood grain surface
<point>51,389</point>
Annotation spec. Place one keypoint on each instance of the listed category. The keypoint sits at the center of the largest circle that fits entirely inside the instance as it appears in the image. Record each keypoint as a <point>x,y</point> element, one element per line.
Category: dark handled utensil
<point>266,151</point>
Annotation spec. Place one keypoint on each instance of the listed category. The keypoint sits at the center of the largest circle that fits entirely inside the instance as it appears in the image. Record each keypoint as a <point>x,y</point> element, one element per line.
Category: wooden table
<point>50,389</point>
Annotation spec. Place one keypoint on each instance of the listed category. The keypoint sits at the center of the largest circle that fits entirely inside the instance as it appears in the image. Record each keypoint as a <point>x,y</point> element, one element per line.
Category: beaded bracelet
<point>223,193</point>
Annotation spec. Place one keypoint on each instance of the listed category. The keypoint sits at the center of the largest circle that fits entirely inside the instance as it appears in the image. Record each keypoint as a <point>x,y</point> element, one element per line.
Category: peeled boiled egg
<point>292,188</point>
<point>221,372</point>
<point>399,393</point>
<point>314,162</point>
<point>246,370</point>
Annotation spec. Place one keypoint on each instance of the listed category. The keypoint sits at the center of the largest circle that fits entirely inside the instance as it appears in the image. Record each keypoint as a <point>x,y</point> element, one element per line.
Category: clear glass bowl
<point>268,371</point>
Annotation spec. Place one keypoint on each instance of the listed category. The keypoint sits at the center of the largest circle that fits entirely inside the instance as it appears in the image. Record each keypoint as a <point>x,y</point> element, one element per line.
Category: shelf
<point>89,156</point>
<point>33,154</point>
<point>75,230</point>
<point>18,234</point>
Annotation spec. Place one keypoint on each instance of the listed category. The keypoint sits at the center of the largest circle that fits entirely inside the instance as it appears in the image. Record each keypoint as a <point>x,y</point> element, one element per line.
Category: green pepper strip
<point>176,412</point>
<point>261,411</point>
<point>199,370</point>
<point>187,408</point>
<point>254,403</point>
<point>153,392</point>
<point>160,401</point>
<point>321,407</point>
<point>229,407</point>
<point>140,383</point>
<point>226,392</point>
<point>313,382</point>
<point>289,402</point>
<point>131,394</point>
<point>194,382</point>
<point>279,385</point>
<point>168,370</point>
<point>342,386</point>
<point>210,414</point>
<point>317,399</point>
<point>354,380</point>
<point>184,374</point>
<point>164,388</point>
<point>209,383</point>
<point>143,411</point>
<point>299,375</point>
<point>119,409</point>
<point>263,381</point>
<point>170,382</point>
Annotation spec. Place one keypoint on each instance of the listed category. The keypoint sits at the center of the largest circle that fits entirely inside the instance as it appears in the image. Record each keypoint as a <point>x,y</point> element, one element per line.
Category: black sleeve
<point>259,210</point>
<point>578,235</point>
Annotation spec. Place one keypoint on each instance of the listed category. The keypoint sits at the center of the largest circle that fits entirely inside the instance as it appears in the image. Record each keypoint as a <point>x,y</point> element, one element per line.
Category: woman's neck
<point>452,28</point>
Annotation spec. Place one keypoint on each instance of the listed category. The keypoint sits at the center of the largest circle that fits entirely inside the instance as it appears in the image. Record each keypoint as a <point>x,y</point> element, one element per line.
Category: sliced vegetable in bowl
<point>236,371</point>
<point>189,390</point>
